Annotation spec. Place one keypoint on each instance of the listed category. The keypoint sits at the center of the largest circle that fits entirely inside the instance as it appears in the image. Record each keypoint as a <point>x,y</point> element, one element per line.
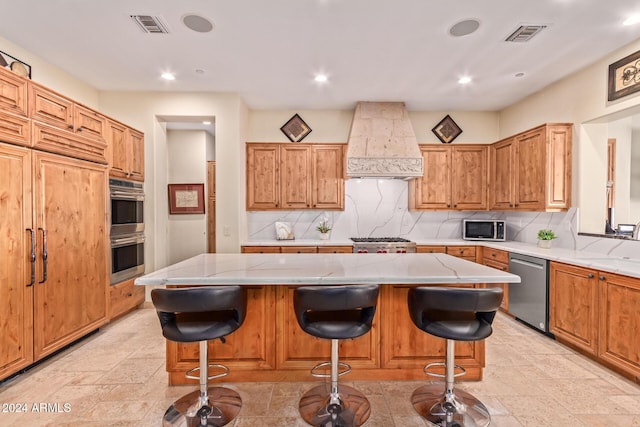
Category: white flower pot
<point>545,244</point>
<point>324,236</point>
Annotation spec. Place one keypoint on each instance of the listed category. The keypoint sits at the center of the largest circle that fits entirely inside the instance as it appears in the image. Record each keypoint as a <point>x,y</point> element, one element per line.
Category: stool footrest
<point>224,373</point>
<point>426,370</point>
<point>315,370</point>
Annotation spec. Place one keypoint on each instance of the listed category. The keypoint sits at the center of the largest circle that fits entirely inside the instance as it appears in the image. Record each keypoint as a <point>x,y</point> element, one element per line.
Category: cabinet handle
<point>70,127</point>
<point>79,129</point>
<point>32,257</point>
<point>510,205</point>
<point>493,254</point>
<point>45,255</point>
<point>455,205</point>
<point>602,278</point>
<point>590,276</point>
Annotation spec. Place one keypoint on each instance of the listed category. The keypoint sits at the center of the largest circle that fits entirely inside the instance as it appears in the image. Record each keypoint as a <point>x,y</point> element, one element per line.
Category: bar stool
<point>456,314</point>
<point>200,314</point>
<point>335,313</point>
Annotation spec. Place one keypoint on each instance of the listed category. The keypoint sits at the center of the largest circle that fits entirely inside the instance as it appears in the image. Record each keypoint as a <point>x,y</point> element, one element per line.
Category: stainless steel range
<point>382,245</point>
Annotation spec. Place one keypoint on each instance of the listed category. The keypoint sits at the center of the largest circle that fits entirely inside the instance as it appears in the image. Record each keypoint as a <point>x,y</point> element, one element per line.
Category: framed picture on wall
<point>186,199</point>
<point>624,77</point>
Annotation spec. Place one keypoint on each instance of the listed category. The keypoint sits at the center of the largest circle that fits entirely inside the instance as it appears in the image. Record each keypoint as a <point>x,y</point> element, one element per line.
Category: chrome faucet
<point>636,232</point>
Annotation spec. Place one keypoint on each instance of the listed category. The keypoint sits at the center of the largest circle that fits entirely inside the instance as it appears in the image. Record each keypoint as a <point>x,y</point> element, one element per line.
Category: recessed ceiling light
<point>464,80</point>
<point>519,74</point>
<point>464,28</point>
<point>206,123</point>
<point>197,23</point>
<point>320,78</point>
<point>199,71</point>
<point>632,20</point>
<point>168,76</point>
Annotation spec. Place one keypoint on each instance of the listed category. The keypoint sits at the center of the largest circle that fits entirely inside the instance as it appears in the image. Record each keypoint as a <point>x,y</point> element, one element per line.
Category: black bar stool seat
<point>335,313</point>
<point>455,314</point>
<point>200,314</point>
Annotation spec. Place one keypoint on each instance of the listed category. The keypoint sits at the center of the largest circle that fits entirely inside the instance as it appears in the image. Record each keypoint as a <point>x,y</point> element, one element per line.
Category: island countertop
<point>324,269</point>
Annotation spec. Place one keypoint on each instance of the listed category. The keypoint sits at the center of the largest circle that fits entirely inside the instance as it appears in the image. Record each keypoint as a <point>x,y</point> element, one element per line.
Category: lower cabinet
<point>597,313</point>
<point>340,249</point>
<point>124,297</point>
<point>498,259</point>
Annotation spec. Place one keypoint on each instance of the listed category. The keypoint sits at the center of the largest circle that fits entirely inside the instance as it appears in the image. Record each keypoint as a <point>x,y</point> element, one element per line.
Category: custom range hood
<point>382,143</point>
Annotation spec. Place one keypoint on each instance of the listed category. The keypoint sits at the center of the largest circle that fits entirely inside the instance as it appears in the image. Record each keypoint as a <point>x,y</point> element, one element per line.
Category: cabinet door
<point>328,177</point>
<point>531,153</point>
<point>502,155</point>
<point>295,176</point>
<point>573,303</point>
<point>620,322</point>
<point>136,163</point>
<point>469,178</point>
<point>559,140</point>
<point>71,222</point>
<point>16,284</point>
<point>51,108</point>
<point>504,305</point>
<point>433,190</point>
<point>89,123</point>
<point>117,140</point>
<point>13,93</point>
<point>263,176</point>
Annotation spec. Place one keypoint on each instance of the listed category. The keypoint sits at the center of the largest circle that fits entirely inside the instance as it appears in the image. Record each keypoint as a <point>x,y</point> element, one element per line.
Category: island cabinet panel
<point>249,352</point>
<point>619,322</point>
<point>16,278</point>
<point>404,346</point>
<point>299,350</point>
<point>71,223</point>
<point>573,306</point>
<point>13,93</point>
<point>498,259</point>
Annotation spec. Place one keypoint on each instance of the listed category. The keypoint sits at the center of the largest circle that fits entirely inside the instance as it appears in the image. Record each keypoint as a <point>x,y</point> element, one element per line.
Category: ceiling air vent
<point>525,33</point>
<point>150,24</point>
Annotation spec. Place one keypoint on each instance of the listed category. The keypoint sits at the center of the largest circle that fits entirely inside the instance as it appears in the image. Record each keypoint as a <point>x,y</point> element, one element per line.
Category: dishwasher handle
<point>527,263</point>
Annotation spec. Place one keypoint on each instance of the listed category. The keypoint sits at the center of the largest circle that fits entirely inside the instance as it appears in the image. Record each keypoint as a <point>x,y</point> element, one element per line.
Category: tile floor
<point>116,378</point>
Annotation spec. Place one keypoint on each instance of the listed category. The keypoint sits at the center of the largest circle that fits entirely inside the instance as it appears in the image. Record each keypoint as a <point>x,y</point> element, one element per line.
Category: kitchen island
<point>270,346</point>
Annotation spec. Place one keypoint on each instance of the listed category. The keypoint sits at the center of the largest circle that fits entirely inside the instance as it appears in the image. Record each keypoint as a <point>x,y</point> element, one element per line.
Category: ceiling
<point>371,50</point>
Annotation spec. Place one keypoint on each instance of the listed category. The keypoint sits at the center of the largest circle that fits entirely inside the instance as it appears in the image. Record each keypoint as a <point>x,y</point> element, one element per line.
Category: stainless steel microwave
<point>483,229</point>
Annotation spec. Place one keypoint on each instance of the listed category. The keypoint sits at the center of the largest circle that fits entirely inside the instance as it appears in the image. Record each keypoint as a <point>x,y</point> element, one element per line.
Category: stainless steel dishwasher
<point>529,299</point>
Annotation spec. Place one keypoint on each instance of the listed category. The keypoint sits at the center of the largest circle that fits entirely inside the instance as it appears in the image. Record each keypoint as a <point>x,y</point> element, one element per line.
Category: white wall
<point>187,164</point>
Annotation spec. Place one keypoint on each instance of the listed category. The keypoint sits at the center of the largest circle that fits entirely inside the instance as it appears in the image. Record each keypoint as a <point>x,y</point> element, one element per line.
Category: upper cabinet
<point>14,123</point>
<point>126,151</point>
<point>294,176</point>
<point>455,178</point>
<point>531,171</point>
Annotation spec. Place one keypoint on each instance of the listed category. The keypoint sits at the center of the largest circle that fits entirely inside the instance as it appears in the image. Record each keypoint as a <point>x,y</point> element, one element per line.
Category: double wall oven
<point>127,229</point>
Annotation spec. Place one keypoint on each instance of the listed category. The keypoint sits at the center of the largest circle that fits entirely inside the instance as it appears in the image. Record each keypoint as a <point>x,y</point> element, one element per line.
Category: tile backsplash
<point>378,207</point>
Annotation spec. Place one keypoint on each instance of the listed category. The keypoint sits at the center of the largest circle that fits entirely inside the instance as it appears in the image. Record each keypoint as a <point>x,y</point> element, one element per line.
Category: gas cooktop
<point>380,240</point>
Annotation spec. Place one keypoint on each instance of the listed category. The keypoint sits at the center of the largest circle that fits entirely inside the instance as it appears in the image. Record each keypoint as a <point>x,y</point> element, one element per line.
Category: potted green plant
<point>324,228</point>
<point>545,237</point>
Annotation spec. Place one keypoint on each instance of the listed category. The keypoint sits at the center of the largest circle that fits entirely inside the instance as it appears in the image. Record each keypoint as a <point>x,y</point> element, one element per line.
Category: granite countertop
<point>595,260</point>
<point>324,269</point>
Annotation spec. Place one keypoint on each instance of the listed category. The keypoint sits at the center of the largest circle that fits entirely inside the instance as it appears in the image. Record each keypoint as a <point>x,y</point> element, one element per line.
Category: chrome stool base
<point>224,404</point>
<point>314,407</point>
<point>464,410</point>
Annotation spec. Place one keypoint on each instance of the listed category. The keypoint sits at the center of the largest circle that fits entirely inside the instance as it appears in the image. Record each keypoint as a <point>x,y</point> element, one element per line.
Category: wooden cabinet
<point>619,323</point>
<point>455,177</point>
<point>498,259</point>
<point>71,221</point>
<point>335,249</point>
<point>297,249</point>
<point>573,305</point>
<point>532,170</point>
<point>294,176</point>
<point>260,249</point>
<point>124,297</point>
<point>14,123</point>
<point>431,249</point>
<point>465,252</point>
<point>126,151</point>
<point>16,275</point>
<point>56,209</point>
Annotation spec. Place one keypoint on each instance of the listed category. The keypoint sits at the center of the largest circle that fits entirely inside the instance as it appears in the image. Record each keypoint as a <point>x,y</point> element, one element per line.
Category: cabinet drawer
<point>462,251</point>
<point>125,297</point>
<point>496,255</point>
<point>431,249</point>
<point>54,140</point>
<point>299,249</point>
<point>261,249</point>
